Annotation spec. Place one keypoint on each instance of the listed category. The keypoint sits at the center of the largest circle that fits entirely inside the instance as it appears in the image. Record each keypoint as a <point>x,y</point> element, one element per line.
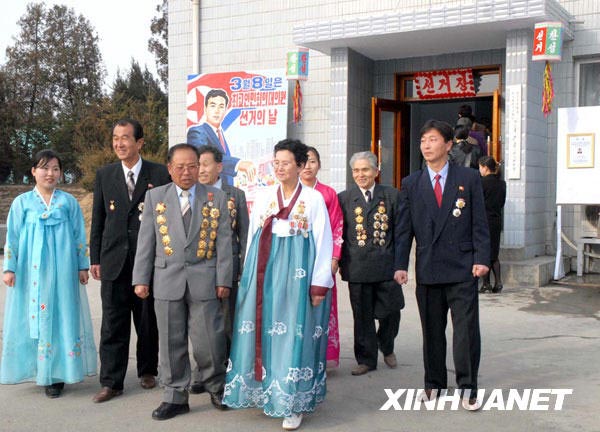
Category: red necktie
<point>221,140</point>
<point>437,190</point>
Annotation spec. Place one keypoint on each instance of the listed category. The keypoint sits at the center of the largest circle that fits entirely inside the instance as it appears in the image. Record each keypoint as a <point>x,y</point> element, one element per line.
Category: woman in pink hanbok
<point>336,218</point>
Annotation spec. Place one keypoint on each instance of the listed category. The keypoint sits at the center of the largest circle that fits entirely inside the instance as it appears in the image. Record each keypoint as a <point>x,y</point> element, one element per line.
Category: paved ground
<point>532,338</point>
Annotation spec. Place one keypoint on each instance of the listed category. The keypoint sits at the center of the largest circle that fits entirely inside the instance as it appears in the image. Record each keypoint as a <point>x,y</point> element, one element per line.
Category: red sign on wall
<point>450,83</point>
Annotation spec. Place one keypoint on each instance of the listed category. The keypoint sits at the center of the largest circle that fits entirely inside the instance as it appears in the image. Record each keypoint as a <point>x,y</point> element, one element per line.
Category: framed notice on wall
<point>580,150</point>
<point>577,162</point>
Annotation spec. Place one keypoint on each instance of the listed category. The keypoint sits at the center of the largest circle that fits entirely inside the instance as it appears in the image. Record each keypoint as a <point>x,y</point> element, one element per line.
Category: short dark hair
<point>461,132</point>
<point>42,158</point>
<point>297,147</point>
<point>216,93</point>
<point>465,111</point>
<point>442,127</point>
<point>315,151</point>
<point>138,130</point>
<point>207,148</point>
<point>181,146</point>
<point>488,162</point>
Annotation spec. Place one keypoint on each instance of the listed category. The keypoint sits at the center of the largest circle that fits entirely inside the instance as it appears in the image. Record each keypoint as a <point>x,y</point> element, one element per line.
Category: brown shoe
<point>391,361</point>
<point>106,394</point>
<point>147,382</point>
<point>361,369</point>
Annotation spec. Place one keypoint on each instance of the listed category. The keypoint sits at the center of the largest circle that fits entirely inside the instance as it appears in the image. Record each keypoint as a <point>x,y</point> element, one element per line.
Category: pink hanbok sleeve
<point>336,217</point>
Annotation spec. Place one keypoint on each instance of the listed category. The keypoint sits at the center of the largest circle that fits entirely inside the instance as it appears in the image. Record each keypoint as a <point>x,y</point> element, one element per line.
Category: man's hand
<point>248,168</point>
<point>95,271</point>
<point>401,277</point>
<point>222,292</point>
<point>479,270</point>
<point>83,277</point>
<point>142,291</point>
<point>9,279</point>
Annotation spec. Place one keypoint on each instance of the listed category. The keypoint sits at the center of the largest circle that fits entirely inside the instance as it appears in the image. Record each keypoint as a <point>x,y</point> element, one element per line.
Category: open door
<point>386,138</point>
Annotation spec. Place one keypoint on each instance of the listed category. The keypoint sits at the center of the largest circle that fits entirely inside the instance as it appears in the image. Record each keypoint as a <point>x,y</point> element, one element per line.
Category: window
<point>589,84</point>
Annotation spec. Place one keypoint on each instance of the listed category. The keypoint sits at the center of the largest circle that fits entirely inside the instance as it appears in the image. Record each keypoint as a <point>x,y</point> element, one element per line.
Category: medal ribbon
<point>264,250</point>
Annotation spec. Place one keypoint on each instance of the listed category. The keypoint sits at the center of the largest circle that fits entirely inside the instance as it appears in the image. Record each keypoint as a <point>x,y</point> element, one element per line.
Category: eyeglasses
<point>182,168</point>
<point>283,164</point>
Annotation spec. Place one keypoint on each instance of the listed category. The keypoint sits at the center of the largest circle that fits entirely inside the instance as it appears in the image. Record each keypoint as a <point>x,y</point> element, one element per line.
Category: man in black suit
<point>211,167</point>
<point>119,194</point>
<point>443,209</point>
<point>370,263</point>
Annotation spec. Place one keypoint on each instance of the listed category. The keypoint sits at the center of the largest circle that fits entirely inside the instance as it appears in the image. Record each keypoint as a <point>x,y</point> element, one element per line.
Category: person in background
<point>47,332</point>
<point>462,152</point>
<point>211,166</point>
<point>476,135</point>
<point>494,195</point>
<point>278,357</point>
<point>308,177</point>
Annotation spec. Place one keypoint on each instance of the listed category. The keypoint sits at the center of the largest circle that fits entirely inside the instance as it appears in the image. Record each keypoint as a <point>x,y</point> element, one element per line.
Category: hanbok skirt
<point>294,333</point>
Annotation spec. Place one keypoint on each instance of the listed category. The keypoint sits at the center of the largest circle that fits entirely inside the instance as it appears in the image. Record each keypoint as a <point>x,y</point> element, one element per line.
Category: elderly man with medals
<point>370,263</point>
<point>185,241</point>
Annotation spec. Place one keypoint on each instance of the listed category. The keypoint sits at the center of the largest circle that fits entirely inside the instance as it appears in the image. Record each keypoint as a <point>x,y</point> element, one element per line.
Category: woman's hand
<point>83,277</point>
<point>316,299</point>
<point>9,279</point>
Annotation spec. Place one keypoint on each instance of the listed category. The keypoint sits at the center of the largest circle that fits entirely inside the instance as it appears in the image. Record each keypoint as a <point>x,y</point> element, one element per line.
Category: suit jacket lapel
<point>120,185</point>
<point>174,218</point>
<point>141,184</point>
<point>200,199</point>
<point>450,191</point>
<point>212,137</point>
<point>426,192</point>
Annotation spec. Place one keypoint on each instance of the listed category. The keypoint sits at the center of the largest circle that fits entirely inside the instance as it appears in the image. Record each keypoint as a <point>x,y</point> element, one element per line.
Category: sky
<point>122,26</point>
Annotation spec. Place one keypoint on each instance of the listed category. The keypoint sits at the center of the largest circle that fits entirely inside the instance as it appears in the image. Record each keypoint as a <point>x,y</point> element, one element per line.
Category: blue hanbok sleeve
<point>13,228</point>
<point>83,254</point>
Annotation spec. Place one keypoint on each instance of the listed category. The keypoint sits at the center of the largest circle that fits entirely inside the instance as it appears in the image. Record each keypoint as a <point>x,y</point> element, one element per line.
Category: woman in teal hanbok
<point>47,332</point>
<point>278,355</point>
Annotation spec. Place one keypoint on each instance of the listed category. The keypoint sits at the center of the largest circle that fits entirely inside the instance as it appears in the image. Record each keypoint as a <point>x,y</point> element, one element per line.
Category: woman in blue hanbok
<point>47,332</point>
<point>278,355</point>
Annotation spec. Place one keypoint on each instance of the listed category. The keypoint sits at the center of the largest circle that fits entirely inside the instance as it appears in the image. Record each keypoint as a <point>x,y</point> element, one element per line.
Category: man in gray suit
<point>185,241</point>
<point>211,167</point>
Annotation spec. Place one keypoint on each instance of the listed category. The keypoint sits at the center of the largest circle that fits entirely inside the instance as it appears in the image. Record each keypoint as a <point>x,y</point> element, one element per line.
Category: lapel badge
<point>209,254</point>
<point>205,211</point>
<point>141,207</point>
<point>384,218</point>
<point>460,203</point>
<point>112,205</point>
<point>200,253</point>
<point>456,212</point>
<point>358,211</point>
<point>359,219</point>
<point>150,185</point>
<point>214,224</point>
<point>215,213</point>
<point>203,234</point>
<point>381,209</point>
<point>160,208</point>
<point>166,240</point>
<point>163,230</point>
<point>231,204</point>
<point>168,251</point>
<point>461,188</point>
<point>161,219</point>
<point>205,224</point>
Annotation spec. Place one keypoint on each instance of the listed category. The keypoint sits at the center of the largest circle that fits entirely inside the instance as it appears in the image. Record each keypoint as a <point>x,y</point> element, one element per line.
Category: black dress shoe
<point>197,388</point>
<point>53,391</point>
<point>217,400</point>
<point>485,287</point>
<point>497,289</point>
<point>168,410</point>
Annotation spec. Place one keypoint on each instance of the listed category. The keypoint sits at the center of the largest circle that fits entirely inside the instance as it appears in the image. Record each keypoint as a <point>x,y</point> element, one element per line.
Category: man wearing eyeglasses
<point>185,247</point>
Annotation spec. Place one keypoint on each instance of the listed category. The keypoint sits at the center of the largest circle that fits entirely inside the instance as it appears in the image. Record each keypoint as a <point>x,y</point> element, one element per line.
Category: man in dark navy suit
<point>442,208</point>
<point>211,133</point>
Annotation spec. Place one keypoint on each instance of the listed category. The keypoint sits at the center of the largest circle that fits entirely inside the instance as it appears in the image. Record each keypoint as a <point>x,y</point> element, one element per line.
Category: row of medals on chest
<point>380,225</point>
<point>230,206</point>
<point>208,229</point>
<point>298,222</point>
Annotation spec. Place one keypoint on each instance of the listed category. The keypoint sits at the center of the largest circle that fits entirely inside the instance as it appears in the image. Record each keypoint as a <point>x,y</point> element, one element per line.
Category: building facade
<point>361,91</point>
